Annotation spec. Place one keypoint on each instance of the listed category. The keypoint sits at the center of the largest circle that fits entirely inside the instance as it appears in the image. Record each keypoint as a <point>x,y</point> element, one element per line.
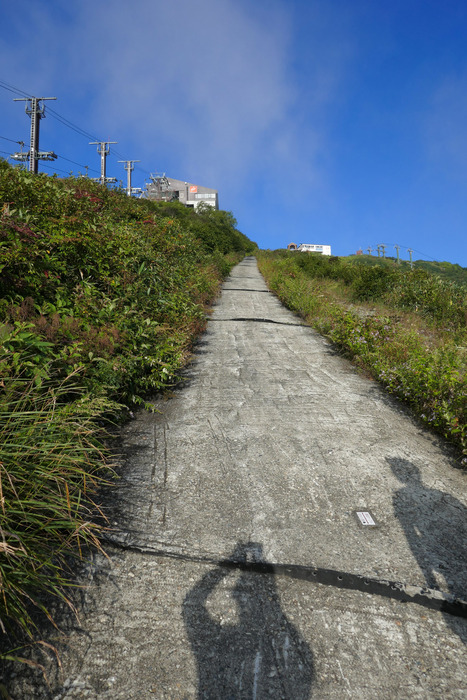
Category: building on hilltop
<point>292,246</point>
<point>314,248</point>
<point>168,189</point>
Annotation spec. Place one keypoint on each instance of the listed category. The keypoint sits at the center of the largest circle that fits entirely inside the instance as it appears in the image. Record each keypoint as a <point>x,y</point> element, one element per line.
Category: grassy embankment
<point>101,297</point>
<point>407,328</point>
<point>449,272</point>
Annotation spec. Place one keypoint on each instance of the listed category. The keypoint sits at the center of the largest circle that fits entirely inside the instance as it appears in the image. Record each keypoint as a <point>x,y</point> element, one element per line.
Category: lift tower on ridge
<point>129,167</point>
<point>103,150</point>
<point>36,111</point>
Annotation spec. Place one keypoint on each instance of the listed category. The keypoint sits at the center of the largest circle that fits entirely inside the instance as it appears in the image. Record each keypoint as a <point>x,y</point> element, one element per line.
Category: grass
<point>53,460</point>
<point>406,330</point>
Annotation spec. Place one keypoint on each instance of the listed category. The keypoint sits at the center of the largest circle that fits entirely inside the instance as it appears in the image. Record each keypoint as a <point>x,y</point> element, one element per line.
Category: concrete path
<point>242,568</point>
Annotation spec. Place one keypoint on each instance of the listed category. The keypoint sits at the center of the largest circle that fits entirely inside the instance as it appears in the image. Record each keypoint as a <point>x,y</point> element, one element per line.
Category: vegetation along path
<point>281,529</point>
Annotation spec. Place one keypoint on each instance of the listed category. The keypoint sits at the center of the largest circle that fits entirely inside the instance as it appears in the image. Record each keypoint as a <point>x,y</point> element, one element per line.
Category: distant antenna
<point>36,111</point>
<point>129,167</point>
<point>103,150</point>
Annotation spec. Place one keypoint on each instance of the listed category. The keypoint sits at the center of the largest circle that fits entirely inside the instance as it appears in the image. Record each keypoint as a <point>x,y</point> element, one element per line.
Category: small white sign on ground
<point>366,518</point>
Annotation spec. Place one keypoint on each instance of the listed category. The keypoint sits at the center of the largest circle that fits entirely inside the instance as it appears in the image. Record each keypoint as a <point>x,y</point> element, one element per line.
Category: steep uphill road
<point>281,529</point>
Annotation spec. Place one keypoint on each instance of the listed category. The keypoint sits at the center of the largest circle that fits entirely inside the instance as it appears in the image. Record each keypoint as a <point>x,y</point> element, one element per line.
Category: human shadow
<point>258,654</point>
<point>435,525</point>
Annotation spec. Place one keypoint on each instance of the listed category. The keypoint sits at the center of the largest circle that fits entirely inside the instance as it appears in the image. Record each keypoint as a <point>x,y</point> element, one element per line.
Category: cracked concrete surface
<point>264,456</point>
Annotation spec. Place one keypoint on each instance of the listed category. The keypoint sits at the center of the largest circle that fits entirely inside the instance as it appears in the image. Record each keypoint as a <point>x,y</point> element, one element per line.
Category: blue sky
<point>320,121</point>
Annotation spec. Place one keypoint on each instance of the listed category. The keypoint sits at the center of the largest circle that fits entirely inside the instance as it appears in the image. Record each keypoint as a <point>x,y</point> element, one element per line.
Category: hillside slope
<point>450,272</point>
<point>115,285</point>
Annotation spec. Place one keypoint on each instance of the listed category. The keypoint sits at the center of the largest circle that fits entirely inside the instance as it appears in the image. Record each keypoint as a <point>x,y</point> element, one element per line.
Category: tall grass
<point>52,460</point>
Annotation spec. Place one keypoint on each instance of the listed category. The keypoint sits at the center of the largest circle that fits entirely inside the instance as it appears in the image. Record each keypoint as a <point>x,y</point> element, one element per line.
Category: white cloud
<point>213,86</point>
<point>205,77</point>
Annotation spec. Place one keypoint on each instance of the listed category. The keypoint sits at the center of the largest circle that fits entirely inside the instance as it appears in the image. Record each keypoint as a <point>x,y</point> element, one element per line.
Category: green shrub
<point>430,378</point>
<point>441,301</point>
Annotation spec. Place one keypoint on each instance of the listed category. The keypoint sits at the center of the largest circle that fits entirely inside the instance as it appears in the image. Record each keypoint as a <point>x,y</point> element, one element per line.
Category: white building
<point>315,248</point>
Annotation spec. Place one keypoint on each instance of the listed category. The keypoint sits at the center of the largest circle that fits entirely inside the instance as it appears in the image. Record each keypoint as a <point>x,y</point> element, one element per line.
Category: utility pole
<point>36,111</point>
<point>383,248</point>
<point>410,255</point>
<point>129,167</point>
<point>379,250</point>
<point>397,249</point>
<point>370,250</point>
<point>103,150</point>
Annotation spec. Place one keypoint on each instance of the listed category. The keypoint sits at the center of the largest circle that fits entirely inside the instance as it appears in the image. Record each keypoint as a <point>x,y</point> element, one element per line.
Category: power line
<point>82,132</point>
<point>420,253</point>
<point>66,122</point>
<point>56,115</point>
<point>116,153</point>
<point>119,155</point>
<point>70,125</point>
<point>51,167</point>
<point>76,163</point>
<point>12,140</point>
<point>381,248</point>
<point>13,89</point>
<point>85,134</point>
<point>81,165</point>
<point>425,255</point>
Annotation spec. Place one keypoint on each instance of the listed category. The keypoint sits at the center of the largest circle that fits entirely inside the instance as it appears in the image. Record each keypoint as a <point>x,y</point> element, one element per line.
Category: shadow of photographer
<point>259,653</point>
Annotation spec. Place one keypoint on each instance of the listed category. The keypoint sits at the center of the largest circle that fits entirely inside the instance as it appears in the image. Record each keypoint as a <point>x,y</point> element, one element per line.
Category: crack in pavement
<point>238,289</point>
<point>259,320</point>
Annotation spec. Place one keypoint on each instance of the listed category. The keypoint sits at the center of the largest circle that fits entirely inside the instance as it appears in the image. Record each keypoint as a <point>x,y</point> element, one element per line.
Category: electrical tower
<point>397,249</point>
<point>36,111</point>
<point>383,248</point>
<point>370,250</point>
<point>410,256</point>
<point>103,150</point>
<point>129,167</point>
